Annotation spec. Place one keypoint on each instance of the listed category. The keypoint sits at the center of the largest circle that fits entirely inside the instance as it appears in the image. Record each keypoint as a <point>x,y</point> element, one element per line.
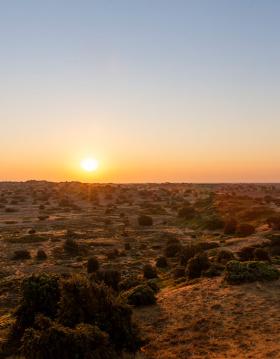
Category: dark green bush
<point>241,272</point>
<point>21,254</point>
<point>141,295</point>
<point>246,253</point>
<point>92,265</point>
<point>41,255</point>
<point>145,220</point>
<point>54,341</point>
<point>161,262</point>
<point>40,295</point>
<point>83,301</point>
<point>188,252</point>
<point>71,246</point>
<point>79,318</point>
<point>129,283</point>
<point>224,256</point>
<point>110,277</point>
<point>149,272</point>
<point>214,270</point>
<point>172,250</point>
<point>197,265</point>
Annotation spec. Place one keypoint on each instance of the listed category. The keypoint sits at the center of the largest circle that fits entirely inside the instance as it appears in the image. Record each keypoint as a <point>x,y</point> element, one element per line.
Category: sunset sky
<point>155,90</point>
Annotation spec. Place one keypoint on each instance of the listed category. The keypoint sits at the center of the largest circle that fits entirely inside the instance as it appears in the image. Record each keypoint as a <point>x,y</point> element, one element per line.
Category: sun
<point>89,164</point>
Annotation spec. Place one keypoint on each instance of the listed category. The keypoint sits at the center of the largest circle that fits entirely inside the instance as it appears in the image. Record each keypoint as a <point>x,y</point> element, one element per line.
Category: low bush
<point>246,253</point>
<point>51,340</point>
<point>224,256</point>
<point>149,272</point>
<point>241,272</point>
<point>161,262</point>
<point>40,294</point>
<point>145,220</point>
<point>171,250</point>
<point>189,252</point>
<point>129,283</point>
<point>197,265</point>
<point>215,270</point>
<point>141,295</point>
<point>41,255</point>
<point>70,246</point>
<point>71,318</point>
<point>21,254</point>
<point>92,265</point>
<point>110,277</point>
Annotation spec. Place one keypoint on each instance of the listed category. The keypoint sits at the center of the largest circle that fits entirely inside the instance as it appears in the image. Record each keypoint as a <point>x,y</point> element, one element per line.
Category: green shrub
<point>188,252</point>
<point>129,283</point>
<point>214,270</point>
<point>54,341</point>
<point>40,295</point>
<point>41,255</point>
<point>145,220</point>
<point>241,272</point>
<point>149,272</point>
<point>110,277</point>
<point>92,265</point>
<point>161,262</point>
<point>197,265</point>
<point>224,256</point>
<point>172,250</point>
<point>21,254</point>
<point>83,301</point>
<point>246,253</point>
<point>75,318</point>
<point>141,295</point>
<point>71,246</point>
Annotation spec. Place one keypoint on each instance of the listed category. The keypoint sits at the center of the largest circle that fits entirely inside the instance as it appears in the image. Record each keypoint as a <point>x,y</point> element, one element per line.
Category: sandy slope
<point>210,319</point>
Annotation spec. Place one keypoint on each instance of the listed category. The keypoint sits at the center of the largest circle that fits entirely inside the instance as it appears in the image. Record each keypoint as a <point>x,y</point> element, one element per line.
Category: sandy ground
<point>210,319</point>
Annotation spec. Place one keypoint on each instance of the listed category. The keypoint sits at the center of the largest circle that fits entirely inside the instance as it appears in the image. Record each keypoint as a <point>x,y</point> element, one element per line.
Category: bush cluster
<point>141,295</point>
<point>240,272</point>
<point>196,265</point>
<point>71,318</point>
<point>149,272</point>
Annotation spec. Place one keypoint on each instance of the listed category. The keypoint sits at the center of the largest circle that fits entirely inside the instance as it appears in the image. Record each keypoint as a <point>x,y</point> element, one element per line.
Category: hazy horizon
<point>156,91</point>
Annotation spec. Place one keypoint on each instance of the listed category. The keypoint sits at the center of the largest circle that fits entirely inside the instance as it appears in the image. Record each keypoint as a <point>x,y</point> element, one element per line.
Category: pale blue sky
<point>156,90</point>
